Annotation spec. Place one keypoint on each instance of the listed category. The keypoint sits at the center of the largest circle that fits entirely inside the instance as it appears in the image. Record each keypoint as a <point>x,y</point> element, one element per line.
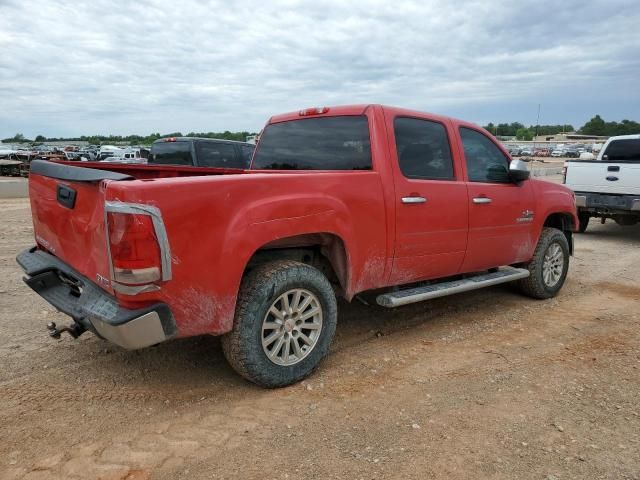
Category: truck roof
<point>360,109</point>
<point>199,139</point>
<point>625,137</point>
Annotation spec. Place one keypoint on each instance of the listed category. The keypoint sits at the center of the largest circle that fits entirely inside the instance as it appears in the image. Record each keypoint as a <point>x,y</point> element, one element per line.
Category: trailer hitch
<point>75,330</point>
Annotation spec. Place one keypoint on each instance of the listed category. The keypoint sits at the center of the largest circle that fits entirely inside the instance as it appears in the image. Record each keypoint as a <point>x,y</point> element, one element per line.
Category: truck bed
<point>144,171</point>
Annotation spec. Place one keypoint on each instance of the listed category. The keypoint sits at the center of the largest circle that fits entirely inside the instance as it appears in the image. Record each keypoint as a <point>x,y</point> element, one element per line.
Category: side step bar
<point>418,294</point>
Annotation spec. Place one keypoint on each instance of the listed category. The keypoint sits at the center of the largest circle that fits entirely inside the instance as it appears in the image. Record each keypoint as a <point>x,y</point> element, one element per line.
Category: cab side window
<point>213,154</point>
<point>485,161</point>
<point>423,149</point>
<point>247,153</point>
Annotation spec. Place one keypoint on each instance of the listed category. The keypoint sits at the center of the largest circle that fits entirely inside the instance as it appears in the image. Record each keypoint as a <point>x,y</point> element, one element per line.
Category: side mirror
<point>518,171</point>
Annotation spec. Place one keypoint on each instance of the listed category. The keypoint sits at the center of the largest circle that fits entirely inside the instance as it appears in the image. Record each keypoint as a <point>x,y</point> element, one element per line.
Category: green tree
<point>595,126</point>
<point>524,134</point>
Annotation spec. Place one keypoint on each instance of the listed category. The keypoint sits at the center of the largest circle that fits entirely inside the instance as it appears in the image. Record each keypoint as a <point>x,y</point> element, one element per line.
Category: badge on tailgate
<point>66,196</point>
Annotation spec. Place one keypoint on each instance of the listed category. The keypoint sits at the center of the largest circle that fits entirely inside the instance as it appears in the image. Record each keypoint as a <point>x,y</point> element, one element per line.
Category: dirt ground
<point>488,384</point>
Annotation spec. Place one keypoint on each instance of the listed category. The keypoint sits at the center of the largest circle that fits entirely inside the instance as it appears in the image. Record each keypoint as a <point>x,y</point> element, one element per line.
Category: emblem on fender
<point>527,216</point>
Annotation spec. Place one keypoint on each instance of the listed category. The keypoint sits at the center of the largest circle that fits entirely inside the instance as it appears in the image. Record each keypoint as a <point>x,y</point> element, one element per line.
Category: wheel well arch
<point>564,222</point>
<point>325,251</point>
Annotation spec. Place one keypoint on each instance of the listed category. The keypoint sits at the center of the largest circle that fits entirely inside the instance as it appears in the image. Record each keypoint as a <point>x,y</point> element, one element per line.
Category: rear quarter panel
<point>215,225</point>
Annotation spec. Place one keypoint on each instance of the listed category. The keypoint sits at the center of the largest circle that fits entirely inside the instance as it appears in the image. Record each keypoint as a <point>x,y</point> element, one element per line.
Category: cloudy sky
<point>120,67</point>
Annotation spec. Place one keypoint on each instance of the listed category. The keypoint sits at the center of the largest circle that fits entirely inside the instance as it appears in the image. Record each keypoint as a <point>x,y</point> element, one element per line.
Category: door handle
<point>482,200</point>
<point>414,200</point>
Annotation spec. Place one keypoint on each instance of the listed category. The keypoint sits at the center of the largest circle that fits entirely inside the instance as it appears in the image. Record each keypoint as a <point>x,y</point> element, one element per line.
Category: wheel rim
<point>553,265</point>
<point>291,328</point>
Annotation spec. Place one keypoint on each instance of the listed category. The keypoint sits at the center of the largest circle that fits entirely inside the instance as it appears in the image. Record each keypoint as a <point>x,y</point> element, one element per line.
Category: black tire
<point>535,285</point>
<point>259,290</point>
<point>584,221</point>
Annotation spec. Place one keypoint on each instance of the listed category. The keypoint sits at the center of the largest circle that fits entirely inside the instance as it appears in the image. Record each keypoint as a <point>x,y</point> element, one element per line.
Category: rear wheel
<point>584,221</point>
<point>285,320</point>
<point>549,265</point>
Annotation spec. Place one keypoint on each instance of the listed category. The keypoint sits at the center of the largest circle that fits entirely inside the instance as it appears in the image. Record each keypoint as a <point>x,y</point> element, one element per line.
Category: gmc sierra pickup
<point>609,186</point>
<point>338,201</point>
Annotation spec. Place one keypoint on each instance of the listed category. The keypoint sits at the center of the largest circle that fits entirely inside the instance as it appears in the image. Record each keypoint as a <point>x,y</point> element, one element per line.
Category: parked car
<point>514,150</point>
<point>201,152</point>
<point>130,155</point>
<point>338,201</point>
<point>609,186</point>
<point>526,152</point>
<point>541,152</point>
<point>558,152</point>
<point>571,152</point>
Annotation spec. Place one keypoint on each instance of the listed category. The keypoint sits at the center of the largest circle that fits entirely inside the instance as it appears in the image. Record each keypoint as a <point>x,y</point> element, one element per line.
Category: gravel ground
<point>487,384</point>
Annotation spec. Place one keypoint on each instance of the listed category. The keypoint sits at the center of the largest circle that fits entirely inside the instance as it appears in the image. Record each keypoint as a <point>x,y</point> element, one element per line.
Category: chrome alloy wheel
<point>291,327</point>
<point>553,265</point>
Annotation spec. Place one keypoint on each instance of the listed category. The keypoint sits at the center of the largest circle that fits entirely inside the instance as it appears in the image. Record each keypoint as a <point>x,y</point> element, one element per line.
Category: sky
<point>122,67</point>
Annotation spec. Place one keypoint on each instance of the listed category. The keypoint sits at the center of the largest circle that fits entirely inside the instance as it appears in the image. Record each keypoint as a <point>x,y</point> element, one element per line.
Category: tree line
<point>595,126</point>
<point>130,139</point>
<point>518,130</point>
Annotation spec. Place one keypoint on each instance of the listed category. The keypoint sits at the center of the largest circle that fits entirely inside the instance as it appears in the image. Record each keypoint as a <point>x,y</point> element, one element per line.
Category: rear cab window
<point>623,150</point>
<point>171,153</point>
<point>328,143</point>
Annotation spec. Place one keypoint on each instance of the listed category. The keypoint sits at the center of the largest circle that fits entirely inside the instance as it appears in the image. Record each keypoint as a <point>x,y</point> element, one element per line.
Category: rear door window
<point>171,153</point>
<point>423,149</point>
<point>221,155</point>
<point>330,143</point>
<point>623,150</point>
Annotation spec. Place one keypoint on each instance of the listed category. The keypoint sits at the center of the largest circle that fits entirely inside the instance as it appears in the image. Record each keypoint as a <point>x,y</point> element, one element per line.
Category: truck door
<point>501,212</point>
<point>430,201</point>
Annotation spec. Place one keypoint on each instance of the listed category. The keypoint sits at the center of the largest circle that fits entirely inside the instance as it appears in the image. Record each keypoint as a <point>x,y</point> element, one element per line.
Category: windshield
<point>623,150</point>
<point>330,143</point>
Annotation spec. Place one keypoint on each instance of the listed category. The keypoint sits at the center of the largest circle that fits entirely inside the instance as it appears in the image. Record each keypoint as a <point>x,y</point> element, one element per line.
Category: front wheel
<point>285,320</point>
<point>549,265</point>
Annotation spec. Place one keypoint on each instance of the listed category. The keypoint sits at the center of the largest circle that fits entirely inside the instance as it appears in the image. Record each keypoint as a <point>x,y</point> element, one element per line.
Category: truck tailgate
<point>604,177</point>
<point>67,205</point>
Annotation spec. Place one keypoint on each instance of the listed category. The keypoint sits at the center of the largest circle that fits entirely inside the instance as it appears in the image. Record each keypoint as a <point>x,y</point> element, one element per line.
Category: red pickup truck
<point>337,201</point>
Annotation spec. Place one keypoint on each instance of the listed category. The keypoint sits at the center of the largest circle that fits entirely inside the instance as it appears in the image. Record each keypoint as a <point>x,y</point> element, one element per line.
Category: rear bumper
<point>92,307</point>
<point>605,203</point>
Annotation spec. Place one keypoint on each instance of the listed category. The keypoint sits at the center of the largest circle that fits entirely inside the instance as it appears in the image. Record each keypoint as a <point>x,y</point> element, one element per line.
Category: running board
<point>418,294</point>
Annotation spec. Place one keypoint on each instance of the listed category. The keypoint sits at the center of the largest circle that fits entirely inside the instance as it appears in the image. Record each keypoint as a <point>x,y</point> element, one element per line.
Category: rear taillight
<point>564,173</point>
<point>134,247</point>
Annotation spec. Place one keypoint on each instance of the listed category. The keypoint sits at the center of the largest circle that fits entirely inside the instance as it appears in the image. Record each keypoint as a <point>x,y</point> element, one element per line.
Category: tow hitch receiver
<point>75,330</point>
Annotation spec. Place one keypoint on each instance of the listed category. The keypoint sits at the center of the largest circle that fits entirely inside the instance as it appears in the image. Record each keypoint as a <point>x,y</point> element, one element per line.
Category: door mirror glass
<point>518,171</point>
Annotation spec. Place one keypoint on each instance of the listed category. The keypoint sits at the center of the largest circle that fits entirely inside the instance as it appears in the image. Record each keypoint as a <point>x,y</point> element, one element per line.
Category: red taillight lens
<point>135,253</point>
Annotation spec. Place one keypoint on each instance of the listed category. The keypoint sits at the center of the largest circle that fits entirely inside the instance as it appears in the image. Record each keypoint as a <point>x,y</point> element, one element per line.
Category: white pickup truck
<point>608,186</point>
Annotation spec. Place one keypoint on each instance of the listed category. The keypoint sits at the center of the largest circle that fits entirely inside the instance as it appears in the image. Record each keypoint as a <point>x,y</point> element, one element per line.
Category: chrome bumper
<point>92,307</point>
